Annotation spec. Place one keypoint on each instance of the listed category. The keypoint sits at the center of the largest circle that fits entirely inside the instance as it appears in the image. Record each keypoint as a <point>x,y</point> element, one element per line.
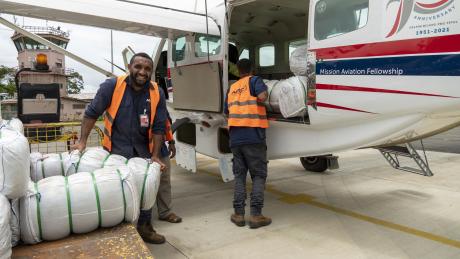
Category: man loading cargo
<point>135,126</point>
<point>247,121</point>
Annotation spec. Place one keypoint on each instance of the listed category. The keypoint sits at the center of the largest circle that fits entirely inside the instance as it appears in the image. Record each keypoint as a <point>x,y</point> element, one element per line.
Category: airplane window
<point>179,49</point>
<point>201,45</point>
<point>334,18</point>
<point>267,55</point>
<point>244,54</point>
<point>293,45</point>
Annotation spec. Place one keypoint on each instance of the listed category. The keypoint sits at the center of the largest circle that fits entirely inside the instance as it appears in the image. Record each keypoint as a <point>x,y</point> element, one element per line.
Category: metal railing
<point>58,137</point>
<point>46,30</point>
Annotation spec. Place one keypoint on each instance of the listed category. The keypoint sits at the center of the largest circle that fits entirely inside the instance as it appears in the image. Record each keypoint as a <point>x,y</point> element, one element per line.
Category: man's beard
<point>140,83</point>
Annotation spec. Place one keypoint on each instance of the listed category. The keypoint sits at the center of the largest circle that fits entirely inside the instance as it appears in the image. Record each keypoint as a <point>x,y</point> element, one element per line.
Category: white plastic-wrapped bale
<point>96,158</point>
<point>46,165</point>
<point>272,102</point>
<point>298,61</point>
<point>147,176</point>
<point>293,100</point>
<point>58,206</point>
<point>15,124</point>
<point>14,163</point>
<point>113,160</point>
<point>288,97</point>
<point>91,159</point>
<point>14,223</point>
<point>5,230</point>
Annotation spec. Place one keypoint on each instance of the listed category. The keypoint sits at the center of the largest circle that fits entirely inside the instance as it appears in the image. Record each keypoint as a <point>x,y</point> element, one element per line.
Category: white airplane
<point>381,72</point>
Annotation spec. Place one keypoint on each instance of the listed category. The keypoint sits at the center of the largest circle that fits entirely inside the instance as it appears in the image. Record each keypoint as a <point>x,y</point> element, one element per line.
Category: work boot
<point>149,235</point>
<point>238,220</point>
<point>259,221</point>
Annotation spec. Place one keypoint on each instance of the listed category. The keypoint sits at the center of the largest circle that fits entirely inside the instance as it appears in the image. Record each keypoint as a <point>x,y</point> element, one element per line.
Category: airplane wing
<point>122,15</point>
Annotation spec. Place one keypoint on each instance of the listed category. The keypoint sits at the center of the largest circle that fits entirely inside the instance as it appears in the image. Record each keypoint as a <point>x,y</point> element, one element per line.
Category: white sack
<point>147,177</point>
<point>46,165</point>
<point>92,159</point>
<point>61,211</point>
<point>274,92</point>
<point>14,223</point>
<point>5,230</point>
<point>14,163</point>
<point>15,124</point>
<point>114,160</point>
<point>298,61</point>
<point>293,100</point>
<point>288,97</point>
<point>96,158</point>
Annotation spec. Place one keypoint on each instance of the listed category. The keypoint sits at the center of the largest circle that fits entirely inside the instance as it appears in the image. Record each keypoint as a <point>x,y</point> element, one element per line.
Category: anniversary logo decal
<point>427,17</point>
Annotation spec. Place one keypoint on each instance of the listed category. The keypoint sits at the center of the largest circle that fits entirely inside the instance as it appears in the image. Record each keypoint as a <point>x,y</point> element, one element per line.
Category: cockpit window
<point>334,18</point>
<point>179,49</point>
<point>201,45</point>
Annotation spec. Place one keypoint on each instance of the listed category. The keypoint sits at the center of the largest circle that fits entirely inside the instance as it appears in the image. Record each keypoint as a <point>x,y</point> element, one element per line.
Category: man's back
<point>240,135</point>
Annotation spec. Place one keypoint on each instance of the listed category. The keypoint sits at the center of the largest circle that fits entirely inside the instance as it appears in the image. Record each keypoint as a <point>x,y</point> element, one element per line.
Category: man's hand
<point>157,159</point>
<point>80,146</point>
<point>172,150</point>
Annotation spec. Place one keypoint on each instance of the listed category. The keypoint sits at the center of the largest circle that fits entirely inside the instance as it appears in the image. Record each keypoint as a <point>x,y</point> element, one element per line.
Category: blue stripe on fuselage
<point>422,65</point>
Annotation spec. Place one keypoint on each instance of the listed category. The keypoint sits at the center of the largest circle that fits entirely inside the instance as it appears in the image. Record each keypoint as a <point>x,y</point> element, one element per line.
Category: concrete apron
<point>365,209</point>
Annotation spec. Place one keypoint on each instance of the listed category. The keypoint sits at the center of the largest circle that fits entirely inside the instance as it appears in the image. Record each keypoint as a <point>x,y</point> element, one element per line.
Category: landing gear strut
<point>319,164</point>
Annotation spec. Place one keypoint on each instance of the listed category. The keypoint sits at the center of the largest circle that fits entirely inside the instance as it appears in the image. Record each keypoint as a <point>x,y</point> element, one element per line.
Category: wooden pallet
<point>121,241</point>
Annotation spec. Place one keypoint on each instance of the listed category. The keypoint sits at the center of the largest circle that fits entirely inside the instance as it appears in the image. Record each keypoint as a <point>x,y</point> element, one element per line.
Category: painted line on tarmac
<point>310,200</point>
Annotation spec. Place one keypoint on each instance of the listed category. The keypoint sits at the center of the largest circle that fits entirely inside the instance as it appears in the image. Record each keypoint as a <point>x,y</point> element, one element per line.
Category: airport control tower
<point>42,80</point>
<point>28,49</point>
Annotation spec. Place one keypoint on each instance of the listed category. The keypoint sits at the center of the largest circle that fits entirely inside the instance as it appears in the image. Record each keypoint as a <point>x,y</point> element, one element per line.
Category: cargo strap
<point>123,192</point>
<point>78,163</point>
<point>62,165</point>
<point>39,217</point>
<point>143,184</point>
<point>105,160</point>
<point>98,202</point>
<point>69,205</point>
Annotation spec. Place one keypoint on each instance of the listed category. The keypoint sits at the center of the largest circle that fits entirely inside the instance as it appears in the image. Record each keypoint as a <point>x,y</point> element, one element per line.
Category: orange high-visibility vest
<point>111,112</point>
<point>243,108</point>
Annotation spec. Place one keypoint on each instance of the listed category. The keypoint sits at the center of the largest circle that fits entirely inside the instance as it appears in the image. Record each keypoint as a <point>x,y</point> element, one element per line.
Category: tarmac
<point>364,209</point>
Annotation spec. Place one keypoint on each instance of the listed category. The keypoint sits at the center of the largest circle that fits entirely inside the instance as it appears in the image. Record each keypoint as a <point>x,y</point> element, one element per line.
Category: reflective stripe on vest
<point>111,112</point>
<point>244,109</point>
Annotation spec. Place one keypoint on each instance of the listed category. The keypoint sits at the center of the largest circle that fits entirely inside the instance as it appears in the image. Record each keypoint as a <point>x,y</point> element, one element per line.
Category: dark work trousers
<point>252,157</point>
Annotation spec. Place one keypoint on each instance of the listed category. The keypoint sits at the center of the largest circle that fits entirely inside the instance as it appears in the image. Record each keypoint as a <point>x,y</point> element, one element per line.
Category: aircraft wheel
<point>314,163</point>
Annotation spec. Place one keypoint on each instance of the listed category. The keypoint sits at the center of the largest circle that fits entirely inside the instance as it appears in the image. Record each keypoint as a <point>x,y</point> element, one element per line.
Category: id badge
<point>144,119</point>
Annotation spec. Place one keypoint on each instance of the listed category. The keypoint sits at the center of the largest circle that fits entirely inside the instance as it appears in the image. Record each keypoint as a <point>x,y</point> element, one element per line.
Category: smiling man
<point>135,119</point>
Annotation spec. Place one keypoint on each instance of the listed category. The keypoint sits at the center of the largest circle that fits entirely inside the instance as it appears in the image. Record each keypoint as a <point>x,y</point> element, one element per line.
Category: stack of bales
<point>49,196</point>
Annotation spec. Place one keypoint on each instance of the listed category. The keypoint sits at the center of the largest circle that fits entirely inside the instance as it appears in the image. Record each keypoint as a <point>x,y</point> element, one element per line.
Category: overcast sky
<point>90,43</point>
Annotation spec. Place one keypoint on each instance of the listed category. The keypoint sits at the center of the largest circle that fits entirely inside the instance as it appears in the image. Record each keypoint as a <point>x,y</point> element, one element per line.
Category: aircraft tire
<point>316,164</point>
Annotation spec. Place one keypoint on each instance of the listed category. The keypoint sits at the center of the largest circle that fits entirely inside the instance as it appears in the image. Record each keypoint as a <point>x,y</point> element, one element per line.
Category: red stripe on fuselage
<point>373,90</point>
<point>442,44</point>
<point>332,106</point>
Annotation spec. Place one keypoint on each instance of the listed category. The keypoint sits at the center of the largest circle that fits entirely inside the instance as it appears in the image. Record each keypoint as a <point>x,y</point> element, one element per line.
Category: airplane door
<point>196,72</point>
<point>337,30</point>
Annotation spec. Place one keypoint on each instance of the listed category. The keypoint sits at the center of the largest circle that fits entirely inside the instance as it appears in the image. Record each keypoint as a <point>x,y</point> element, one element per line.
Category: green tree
<point>7,80</point>
<point>74,83</point>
